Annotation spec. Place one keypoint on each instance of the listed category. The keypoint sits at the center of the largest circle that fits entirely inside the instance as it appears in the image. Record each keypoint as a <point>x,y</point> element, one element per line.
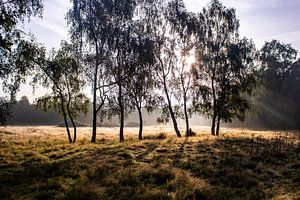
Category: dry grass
<point>37,163</point>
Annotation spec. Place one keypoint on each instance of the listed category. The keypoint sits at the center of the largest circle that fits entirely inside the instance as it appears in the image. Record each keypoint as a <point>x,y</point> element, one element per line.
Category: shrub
<point>191,133</point>
<point>162,135</point>
<point>159,136</point>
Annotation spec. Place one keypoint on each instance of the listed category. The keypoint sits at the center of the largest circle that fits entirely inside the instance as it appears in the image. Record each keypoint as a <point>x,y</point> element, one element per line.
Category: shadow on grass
<point>229,168</point>
<point>245,168</point>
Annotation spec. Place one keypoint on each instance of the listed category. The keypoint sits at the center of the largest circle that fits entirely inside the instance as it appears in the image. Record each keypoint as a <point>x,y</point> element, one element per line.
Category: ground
<point>38,163</point>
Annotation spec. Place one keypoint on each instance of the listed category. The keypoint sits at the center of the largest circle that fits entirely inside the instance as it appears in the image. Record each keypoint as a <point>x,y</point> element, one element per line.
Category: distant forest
<point>275,117</point>
<point>24,113</point>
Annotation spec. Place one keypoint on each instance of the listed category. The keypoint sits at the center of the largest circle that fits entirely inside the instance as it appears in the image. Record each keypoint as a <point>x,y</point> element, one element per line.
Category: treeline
<point>278,93</point>
<point>25,113</point>
<point>156,55</point>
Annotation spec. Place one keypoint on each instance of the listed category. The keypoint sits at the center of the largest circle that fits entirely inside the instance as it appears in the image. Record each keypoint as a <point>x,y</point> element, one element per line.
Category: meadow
<point>38,163</point>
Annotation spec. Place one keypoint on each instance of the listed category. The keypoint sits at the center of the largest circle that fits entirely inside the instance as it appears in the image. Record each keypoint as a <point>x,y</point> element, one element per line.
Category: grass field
<point>38,163</point>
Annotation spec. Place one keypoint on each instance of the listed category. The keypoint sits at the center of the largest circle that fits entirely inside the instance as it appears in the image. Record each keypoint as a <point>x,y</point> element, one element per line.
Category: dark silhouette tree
<point>237,80</point>
<point>15,47</point>
<point>165,57</point>
<point>279,74</point>
<point>183,24</point>
<point>25,113</point>
<point>226,64</point>
<point>277,64</point>
<point>89,30</point>
<point>16,57</point>
<point>61,72</point>
<point>141,84</point>
<point>95,25</point>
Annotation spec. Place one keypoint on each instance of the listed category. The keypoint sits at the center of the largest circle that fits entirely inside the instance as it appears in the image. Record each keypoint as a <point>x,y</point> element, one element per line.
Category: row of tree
<point>137,54</point>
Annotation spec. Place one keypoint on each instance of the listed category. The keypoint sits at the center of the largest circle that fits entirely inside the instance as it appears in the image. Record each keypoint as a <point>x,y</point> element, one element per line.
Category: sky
<point>260,20</point>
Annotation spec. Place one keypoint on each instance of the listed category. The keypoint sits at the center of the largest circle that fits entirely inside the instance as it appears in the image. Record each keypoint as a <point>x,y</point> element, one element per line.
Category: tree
<point>16,55</point>
<point>225,65</point>
<point>276,65</point>
<point>165,57</point>
<point>279,75</point>
<point>183,24</point>
<point>293,91</point>
<point>62,73</point>
<point>132,66</point>
<point>13,12</point>
<point>236,82</point>
<point>98,23</point>
<point>140,86</point>
<point>15,49</point>
<point>25,113</point>
<point>140,89</point>
<point>89,24</point>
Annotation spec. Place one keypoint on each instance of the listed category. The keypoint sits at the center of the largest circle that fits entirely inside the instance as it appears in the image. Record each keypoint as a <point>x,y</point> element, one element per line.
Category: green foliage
<point>62,73</point>
<point>277,60</point>
<point>17,53</point>
<point>167,23</point>
<point>79,104</point>
<point>165,117</point>
<point>224,74</point>
<point>18,63</point>
<point>114,48</point>
<point>13,12</point>
<point>277,99</point>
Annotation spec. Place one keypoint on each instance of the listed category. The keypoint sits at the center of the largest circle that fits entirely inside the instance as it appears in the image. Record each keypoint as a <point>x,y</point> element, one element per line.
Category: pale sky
<point>261,20</point>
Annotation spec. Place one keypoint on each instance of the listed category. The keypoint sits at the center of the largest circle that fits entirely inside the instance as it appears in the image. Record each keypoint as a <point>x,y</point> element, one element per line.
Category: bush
<point>191,133</point>
<point>162,135</point>
<point>159,136</point>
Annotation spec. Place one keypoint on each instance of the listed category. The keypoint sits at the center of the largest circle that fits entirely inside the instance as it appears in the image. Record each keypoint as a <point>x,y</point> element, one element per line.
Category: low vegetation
<point>36,163</point>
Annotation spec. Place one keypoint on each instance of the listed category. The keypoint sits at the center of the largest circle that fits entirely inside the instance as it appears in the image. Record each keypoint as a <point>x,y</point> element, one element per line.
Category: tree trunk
<point>171,110</point>
<point>187,133</point>
<point>67,127</point>
<point>94,131</point>
<point>141,123</point>
<point>121,106</point>
<point>73,123</point>
<point>70,115</point>
<point>218,125</point>
<point>213,124</point>
<point>214,106</point>
<point>75,130</point>
<point>65,119</point>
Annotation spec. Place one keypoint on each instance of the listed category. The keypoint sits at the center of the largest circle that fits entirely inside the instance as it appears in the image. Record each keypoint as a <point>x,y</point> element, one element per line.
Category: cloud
<point>262,20</point>
<point>62,3</point>
<point>195,5</point>
<point>288,38</point>
<point>52,28</point>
